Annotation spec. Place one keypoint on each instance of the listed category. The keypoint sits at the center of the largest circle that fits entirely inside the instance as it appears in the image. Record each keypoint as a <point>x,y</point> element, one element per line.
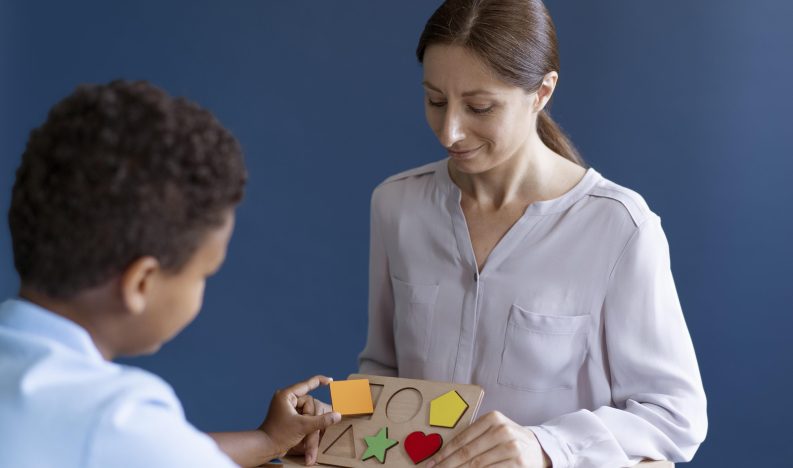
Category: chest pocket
<point>414,306</point>
<point>543,352</point>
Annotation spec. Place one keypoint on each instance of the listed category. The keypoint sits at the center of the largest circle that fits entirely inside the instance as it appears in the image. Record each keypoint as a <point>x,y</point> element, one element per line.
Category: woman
<point>511,266</point>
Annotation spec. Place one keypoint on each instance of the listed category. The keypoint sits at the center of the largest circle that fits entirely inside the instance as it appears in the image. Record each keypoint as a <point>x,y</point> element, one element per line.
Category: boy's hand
<point>309,447</point>
<point>293,416</point>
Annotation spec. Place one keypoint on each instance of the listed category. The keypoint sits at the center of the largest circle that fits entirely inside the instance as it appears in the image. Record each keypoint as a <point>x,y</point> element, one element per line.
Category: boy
<point>123,205</point>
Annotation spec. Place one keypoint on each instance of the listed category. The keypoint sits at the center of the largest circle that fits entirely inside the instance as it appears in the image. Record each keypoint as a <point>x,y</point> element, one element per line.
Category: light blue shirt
<point>62,404</point>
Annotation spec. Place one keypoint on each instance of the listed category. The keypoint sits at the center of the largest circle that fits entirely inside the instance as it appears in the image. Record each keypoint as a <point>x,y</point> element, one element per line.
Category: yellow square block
<point>351,397</point>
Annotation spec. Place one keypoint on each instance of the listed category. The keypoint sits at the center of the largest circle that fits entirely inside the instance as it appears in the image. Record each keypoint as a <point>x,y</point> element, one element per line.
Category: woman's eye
<point>475,110</point>
<point>481,110</point>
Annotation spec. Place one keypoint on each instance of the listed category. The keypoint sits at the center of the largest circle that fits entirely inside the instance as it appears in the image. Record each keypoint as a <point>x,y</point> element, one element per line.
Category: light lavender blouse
<point>573,327</point>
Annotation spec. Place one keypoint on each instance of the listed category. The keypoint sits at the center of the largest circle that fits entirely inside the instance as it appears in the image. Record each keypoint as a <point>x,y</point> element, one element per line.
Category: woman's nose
<point>452,130</point>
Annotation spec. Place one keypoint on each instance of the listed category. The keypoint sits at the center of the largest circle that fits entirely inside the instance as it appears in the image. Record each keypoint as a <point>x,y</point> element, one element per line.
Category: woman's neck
<point>535,173</point>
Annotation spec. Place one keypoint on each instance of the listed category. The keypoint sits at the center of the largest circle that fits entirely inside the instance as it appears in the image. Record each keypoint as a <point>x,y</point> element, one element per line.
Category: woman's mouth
<point>463,153</point>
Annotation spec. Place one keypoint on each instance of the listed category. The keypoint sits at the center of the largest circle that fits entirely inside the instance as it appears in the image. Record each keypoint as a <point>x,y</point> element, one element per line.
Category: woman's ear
<point>545,91</point>
<point>137,283</point>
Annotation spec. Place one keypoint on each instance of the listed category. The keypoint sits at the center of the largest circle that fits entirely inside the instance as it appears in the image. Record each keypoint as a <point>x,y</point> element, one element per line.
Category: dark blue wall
<point>688,103</point>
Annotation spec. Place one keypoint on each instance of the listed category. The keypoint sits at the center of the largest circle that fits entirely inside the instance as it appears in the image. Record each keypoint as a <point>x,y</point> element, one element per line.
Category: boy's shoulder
<point>87,409</point>
<point>98,416</point>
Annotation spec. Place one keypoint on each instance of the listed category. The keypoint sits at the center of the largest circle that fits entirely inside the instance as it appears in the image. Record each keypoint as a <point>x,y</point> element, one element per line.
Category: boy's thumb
<point>320,422</point>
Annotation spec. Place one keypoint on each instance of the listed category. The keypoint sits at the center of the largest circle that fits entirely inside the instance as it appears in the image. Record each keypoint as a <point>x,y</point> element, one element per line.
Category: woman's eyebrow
<point>477,92</point>
<point>473,92</point>
<point>427,84</point>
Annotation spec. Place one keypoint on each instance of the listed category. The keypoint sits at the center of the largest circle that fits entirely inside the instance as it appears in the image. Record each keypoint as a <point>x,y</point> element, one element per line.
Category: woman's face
<point>479,119</point>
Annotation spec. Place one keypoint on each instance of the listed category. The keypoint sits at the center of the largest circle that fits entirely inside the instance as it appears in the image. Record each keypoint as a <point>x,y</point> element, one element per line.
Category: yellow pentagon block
<point>447,409</point>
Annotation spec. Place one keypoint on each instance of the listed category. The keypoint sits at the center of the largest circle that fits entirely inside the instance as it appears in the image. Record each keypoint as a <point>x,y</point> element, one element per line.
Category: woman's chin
<point>473,165</point>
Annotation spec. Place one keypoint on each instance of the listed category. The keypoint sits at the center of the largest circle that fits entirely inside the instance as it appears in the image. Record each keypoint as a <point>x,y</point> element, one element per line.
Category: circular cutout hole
<point>404,405</point>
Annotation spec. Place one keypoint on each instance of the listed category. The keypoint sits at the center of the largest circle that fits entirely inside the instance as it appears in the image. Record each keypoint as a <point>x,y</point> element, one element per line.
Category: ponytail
<point>554,138</point>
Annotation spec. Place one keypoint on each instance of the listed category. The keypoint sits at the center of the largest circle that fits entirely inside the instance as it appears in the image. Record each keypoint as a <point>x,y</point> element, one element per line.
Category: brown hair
<point>516,38</point>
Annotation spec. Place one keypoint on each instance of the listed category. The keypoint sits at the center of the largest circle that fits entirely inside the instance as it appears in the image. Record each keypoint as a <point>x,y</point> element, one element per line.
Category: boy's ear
<point>137,282</point>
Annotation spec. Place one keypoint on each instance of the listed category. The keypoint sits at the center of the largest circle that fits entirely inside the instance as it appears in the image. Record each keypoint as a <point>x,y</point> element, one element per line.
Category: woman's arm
<point>379,355</point>
<point>659,405</point>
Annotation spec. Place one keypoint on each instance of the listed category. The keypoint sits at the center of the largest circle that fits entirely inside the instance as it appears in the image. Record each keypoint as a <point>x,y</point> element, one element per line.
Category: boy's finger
<point>306,405</point>
<point>306,386</point>
<point>315,407</point>
<point>319,422</point>
<point>299,449</point>
<point>311,447</point>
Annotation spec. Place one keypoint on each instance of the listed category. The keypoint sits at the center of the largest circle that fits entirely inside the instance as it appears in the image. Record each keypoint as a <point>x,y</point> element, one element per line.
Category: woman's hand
<point>493,439</point>
<point>294,417</point>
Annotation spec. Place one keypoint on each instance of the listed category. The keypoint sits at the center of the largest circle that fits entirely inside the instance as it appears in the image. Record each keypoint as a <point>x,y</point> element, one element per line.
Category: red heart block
<point>420,446</point>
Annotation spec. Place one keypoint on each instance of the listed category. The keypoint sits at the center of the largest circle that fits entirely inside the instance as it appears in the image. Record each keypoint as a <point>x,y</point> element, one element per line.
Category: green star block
<point>377,445</point>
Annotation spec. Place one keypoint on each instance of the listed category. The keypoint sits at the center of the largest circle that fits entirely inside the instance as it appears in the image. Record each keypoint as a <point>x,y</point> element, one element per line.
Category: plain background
<point>687,102</point>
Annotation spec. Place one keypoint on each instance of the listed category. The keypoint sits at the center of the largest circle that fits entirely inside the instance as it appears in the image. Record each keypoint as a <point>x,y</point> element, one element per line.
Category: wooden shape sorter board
<point>402,406</point>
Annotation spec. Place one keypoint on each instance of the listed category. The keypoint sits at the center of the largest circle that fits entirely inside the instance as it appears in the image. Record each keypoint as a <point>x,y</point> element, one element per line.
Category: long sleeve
<point>659,405</point>
<point>152,433</point>
<point>379,355</point>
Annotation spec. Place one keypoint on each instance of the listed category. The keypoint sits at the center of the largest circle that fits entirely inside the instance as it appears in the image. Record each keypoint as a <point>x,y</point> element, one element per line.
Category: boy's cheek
<point>186,306</point>
<point>198,299</point>
<point>152,349</point>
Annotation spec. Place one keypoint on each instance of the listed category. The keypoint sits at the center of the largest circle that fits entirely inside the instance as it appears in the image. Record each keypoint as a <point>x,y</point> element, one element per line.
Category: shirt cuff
<point>552,446</point>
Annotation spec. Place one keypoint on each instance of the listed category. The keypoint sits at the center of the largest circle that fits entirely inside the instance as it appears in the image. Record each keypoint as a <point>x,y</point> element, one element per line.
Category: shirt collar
<point>24,316</point>
<point>556,205</point>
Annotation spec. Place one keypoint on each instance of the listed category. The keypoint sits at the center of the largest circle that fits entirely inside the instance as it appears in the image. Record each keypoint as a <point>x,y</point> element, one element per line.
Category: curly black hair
<point>119,171</point>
